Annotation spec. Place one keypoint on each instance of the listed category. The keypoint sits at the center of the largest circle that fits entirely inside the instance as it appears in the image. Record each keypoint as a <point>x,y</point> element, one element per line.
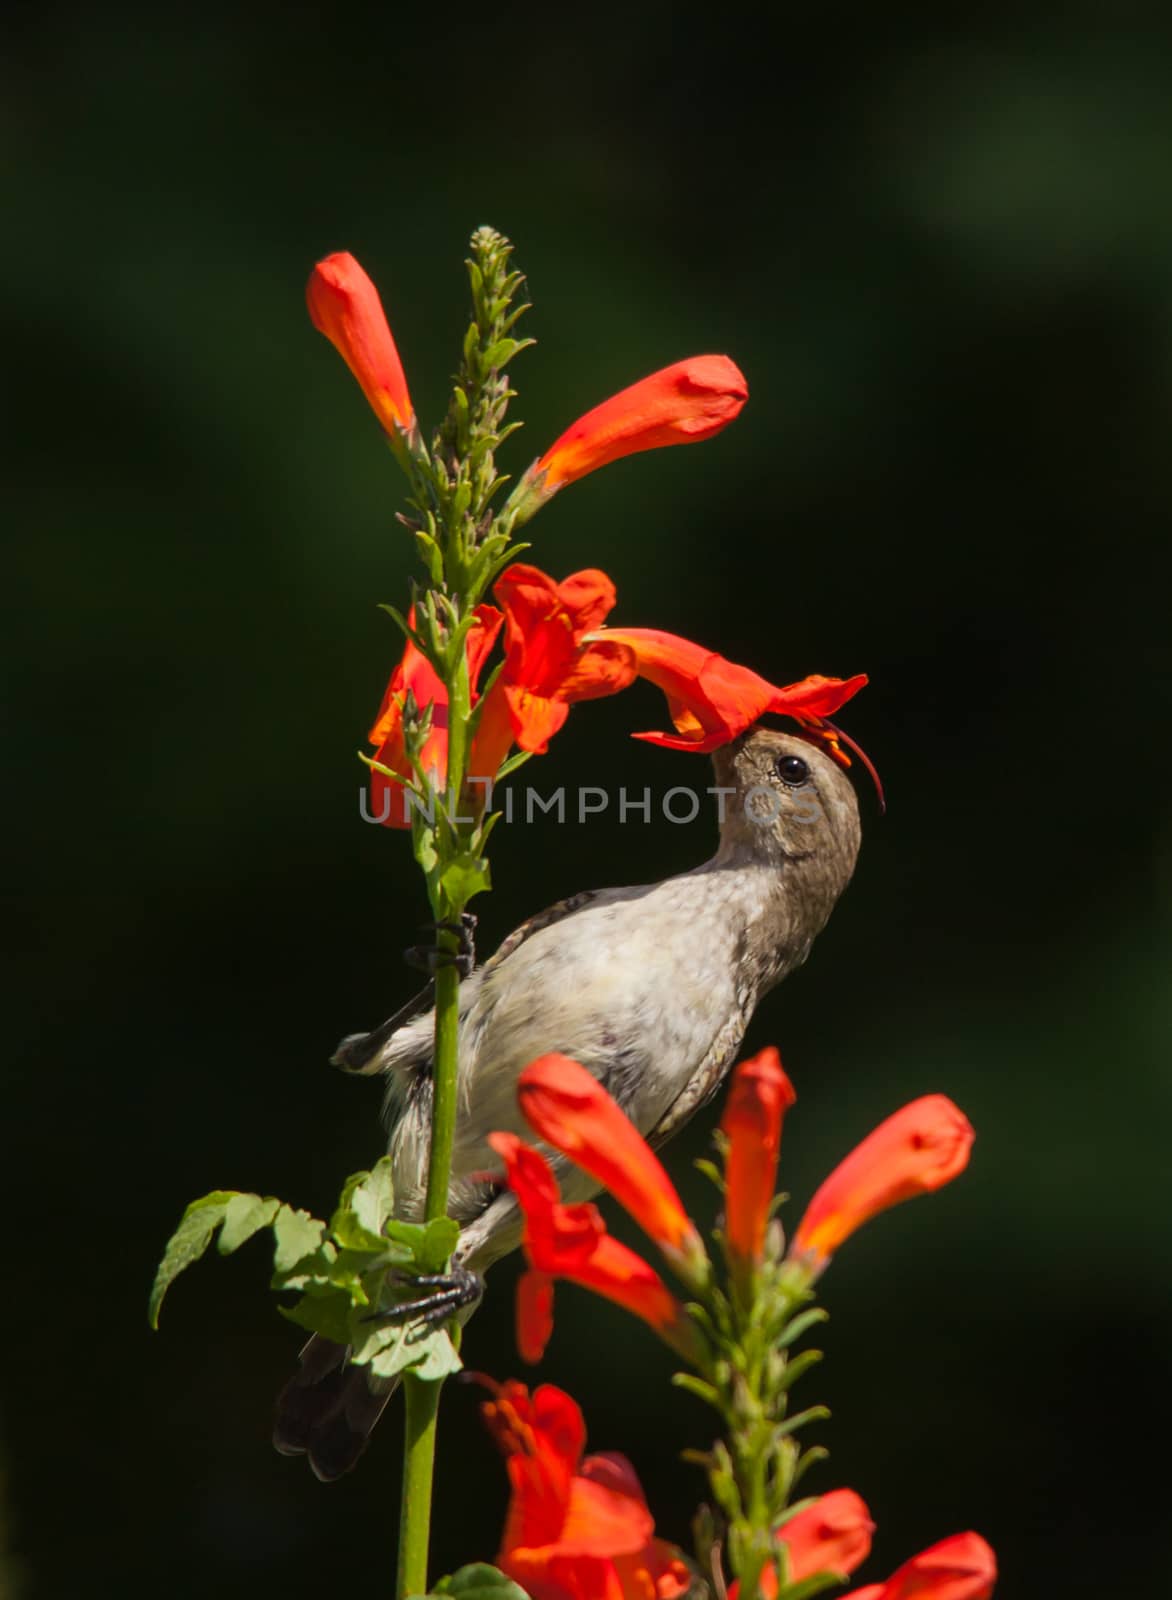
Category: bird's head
<point>786,799</point>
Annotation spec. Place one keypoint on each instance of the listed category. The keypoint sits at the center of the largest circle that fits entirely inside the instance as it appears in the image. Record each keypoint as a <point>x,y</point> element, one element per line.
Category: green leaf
<point>431,1243</point>
<point>434,1357</point>
<point>364,1208</point>
<point>245,1215</point>
<point>465,876</point>
<point>800,1325</point>
<point>479,1582</point>
<point>392,1348</point>
<point>296,1235</point>
<point>189,1241</point>
<point>328,1314</point>
<point>431,555</point>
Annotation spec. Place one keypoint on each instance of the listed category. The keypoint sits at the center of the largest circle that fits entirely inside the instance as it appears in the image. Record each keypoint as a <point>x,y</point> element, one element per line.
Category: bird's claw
<point>447,1293</point>
<point>430,958</point>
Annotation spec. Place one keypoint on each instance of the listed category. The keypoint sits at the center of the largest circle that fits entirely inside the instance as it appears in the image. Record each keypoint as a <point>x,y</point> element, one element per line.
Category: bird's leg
<point>429,958</point>
<point>447,1293</point>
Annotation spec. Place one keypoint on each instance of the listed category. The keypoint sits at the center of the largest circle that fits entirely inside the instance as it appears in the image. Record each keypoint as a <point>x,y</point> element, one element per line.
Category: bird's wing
<point>366,1053</point>
<point>703,1083</point>
<point>542,919</point>
<point>362,1052</point>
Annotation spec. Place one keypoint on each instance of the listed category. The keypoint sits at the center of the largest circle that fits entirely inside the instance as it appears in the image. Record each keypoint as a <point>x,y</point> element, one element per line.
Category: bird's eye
<point>792,770</point>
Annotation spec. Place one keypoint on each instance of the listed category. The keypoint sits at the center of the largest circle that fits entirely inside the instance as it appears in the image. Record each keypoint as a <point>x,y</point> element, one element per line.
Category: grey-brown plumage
<point>650,988</point>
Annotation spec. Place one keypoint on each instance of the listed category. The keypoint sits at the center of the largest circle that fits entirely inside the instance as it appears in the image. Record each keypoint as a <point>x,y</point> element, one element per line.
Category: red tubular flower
<point>960,1568</point>
<point>575,1529</point>
<point>571,1242</point>
<point>757,1101</point>
<point>568,1108</point>
<point>681,404</point>
<point>832,1535</point>
<point>920,1148</point>
<point>390,802</point>
<point>711,701</point>
<point>548,662</point>
<point>344,305</point>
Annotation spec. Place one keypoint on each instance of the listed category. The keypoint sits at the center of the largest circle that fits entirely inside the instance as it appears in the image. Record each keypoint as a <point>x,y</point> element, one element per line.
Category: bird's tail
<point>328,1409</point>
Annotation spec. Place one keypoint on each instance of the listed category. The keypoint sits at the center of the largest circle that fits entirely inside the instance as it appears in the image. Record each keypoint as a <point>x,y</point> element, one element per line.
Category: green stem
<point>422,1407</point>
<point>422,1399</point>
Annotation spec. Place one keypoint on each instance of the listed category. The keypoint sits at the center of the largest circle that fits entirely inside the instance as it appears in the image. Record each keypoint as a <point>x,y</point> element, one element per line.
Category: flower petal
<point>758,1098</point>
<point>344,305</point>
<point>918,1149</point>
<point>534,1314</point>
<point>680,404</point>
<point>962,1567</point>
<point>571,1110</point>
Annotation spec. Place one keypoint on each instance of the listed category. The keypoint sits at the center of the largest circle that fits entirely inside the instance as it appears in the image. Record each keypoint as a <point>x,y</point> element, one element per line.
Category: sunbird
<point>651,988</point>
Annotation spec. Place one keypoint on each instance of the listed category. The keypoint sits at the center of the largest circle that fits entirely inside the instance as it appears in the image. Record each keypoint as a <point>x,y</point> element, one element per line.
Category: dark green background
<point>941,249</point>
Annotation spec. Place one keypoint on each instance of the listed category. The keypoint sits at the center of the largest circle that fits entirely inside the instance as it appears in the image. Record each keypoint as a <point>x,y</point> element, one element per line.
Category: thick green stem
<point>422,1407</point>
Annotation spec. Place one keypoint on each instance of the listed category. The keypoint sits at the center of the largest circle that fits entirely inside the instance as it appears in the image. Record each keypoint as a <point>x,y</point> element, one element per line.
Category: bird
<point>651,988</point>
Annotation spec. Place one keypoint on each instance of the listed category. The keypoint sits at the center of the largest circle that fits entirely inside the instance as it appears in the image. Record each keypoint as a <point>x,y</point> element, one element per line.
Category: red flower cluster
<point>556,648</point>
<point>576,1529</point>
<point>557,653</point>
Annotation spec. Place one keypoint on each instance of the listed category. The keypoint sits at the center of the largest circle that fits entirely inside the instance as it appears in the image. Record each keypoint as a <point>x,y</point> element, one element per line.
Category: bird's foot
<point>430,958</point>
<point>446,1293</point>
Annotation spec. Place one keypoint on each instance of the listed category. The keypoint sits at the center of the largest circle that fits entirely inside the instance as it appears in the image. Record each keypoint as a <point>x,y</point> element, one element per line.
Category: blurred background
<point>941,250</point>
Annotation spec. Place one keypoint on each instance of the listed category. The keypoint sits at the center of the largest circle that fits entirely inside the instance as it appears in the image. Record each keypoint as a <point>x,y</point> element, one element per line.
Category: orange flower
<point>683,403</point>
<point>568,1108</point>
<point>390,801</point>
<point>960,1568</point>
<point>758,1099</point>
<point>832,1535</point>
<point>711,700</point>
<point>548,663</point>
<point>344,305</point>
<point>575,1529</point>
<point>572,1242</point>
<point>919,1149</point>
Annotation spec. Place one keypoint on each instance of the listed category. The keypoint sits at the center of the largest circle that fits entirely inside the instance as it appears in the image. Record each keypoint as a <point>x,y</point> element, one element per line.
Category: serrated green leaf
<point>327,1314</point>
<point>365,1205</point>
<point>318,1268</point>
<point>295,1235</point>
<point>465,876</point>
<point>441,1236</point>
<point>245,1215</point>
<point>479,1582</point>
<point>189,1241</point>
<point>434,1357</point>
